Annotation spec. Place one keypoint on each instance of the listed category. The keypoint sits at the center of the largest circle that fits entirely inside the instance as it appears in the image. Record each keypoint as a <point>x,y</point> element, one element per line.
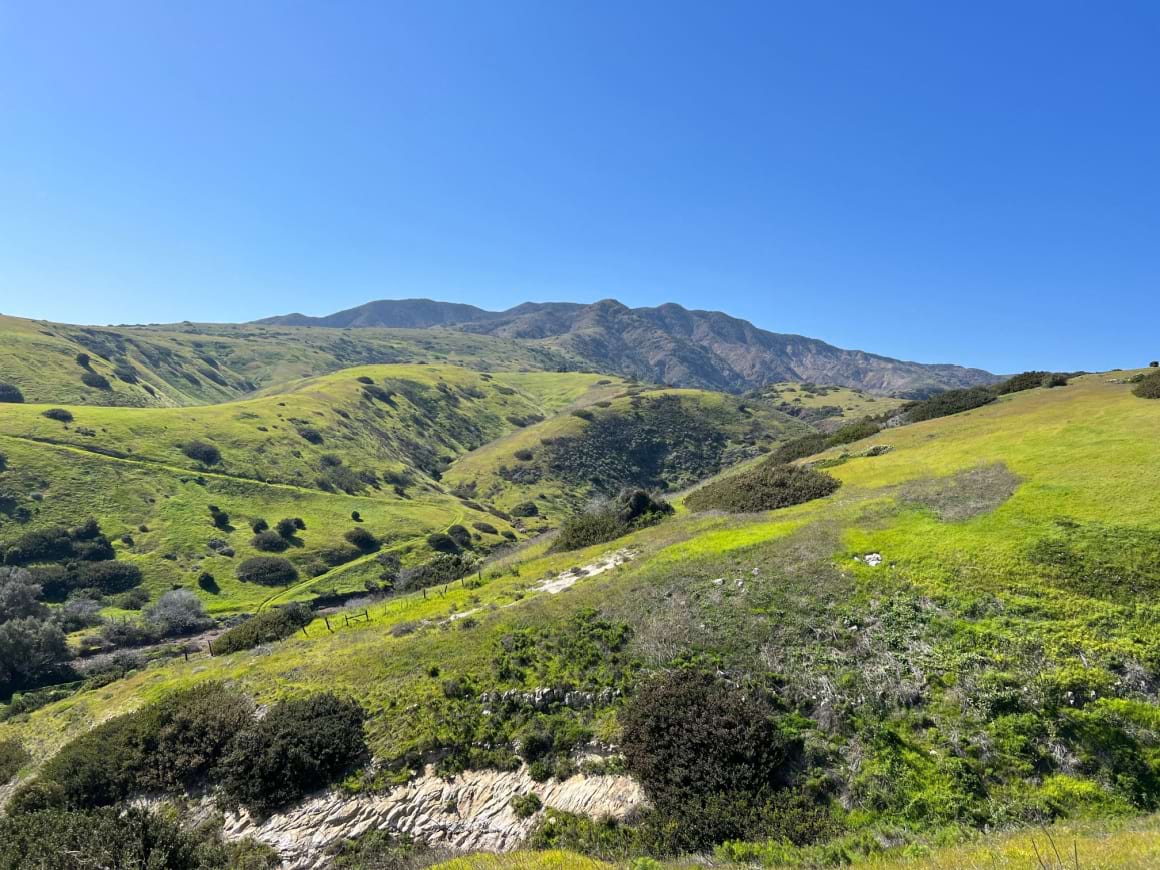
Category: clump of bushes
<point>58,414</point>
<point>268,571</point>
<point>13,756</point>
<point>442,543</point>
<point>201,452</point>
<point>526,805</point>
<point>631,510</point>
<point>269,542</point>
<point>460,535</point>
<point>486,528</point>
<point>10,393</point>
<point>526,509</point>
<point>769,486</point>
<point>289,527</point>
<point>96,381</point>
<point>1149,387</point>
<point>258,524</point>
<point>298,746</point>
<point>266,627</point>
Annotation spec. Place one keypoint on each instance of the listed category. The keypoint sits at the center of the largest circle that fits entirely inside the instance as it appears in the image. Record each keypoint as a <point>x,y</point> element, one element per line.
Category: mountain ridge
<point>668,343</point>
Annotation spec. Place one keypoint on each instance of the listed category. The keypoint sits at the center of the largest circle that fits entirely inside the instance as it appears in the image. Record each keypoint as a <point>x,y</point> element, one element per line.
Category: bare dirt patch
<point>961,496</point>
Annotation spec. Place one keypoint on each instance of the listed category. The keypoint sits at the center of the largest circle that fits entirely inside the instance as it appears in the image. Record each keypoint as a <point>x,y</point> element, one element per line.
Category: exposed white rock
<point>470,812</point>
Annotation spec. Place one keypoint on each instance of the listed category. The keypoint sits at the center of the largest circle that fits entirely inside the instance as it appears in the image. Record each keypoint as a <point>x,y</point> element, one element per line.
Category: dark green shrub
<point>460,535</point>
<point>83,360</point>
<point>269,542</point>
<point>309,433</point>
<point>258,525</point>
<point>949,402</point>
<point>125,373</point>
<point>524,455</point>
<point>769,486</point>
<point>442,542</point>
<point>799,448</point>
<point>267,570</point>
<point>356,516</point>
<point>1055,380</point>
<point>708,754</point>
<point>362,539</point>
<point>126,838</point>
<point>1023,381</point>
<point>96,381</point>
<point>444,568</point>
<point>338,554</point>
<point>109,577</point>
<point>486,528</point>
<point>288,527</point>
<point>207,583</point>
<point>632,509</point>
<point>266,627</point>
<point>363,379</point>
<point>526,805</point>
<point>297,747</point>
<point>201,452</point>
<point>10,393</point>
<point>58,414</point>
<point>220,519</point>
<point>1154,364</point>
<point>1149,388</point>
<point>852,432</point>
<point>526,509</point>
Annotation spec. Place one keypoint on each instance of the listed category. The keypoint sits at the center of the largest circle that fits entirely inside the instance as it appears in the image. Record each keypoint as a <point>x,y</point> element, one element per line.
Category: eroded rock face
<point>470,812</point>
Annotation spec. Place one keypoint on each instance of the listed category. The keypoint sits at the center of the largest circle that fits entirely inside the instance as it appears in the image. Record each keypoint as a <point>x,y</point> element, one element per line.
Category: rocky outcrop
<point>469,812</point>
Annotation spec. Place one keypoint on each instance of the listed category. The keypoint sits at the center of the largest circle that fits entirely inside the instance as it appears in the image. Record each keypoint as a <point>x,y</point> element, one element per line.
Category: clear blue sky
<point>969,182</point>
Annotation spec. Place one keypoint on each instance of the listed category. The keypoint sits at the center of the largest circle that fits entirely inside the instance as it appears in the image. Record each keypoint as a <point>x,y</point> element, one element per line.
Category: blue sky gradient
<point>948,182</point>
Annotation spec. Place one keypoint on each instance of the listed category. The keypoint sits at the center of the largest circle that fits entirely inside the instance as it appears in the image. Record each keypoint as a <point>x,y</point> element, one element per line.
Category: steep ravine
<point>469,812</point>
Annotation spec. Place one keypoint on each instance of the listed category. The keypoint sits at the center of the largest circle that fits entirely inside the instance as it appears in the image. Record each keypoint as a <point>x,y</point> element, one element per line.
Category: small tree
<point>201,452</point>
<point>356,516</point>
<point>286,528</point>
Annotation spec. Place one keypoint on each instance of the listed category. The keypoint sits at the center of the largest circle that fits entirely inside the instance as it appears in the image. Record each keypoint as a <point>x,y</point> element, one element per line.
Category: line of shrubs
<point>266,627</point>
<point>208,735</point>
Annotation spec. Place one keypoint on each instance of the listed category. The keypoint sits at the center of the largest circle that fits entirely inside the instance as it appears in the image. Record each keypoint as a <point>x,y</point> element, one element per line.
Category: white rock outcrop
<point>469,812</point>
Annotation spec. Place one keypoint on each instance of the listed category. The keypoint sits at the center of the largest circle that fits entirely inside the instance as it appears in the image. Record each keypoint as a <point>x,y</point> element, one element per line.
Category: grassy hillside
<point>196,364</point>
<point>827,405</point>
<point>320,449</point>
<point>998,667</point>
<point>655,439</point>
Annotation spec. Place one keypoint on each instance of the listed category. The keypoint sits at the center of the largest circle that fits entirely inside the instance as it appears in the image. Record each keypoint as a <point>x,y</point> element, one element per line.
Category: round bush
<point>767,487</point>
<point>1149,388</point>
<point>526,509</point>
<point>58,414</point>
<point>269,542</point>
<point>362,539</point>
<point>201,452</point>
<point>10,393</point>
<point>267,570</point>
<point>96,381</point>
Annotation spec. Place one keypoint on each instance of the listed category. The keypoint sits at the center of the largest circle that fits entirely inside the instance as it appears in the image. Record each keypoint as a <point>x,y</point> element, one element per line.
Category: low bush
<point>1149,387</point>
<point>109,577</point>
<point>96,381</point>
<point>363,539</point>
<point>460,535</point>
<point>269,542</point>
<point>526,509</point>
<point>267,570</point>
<point>266,627</point>
<point>444,568</point>
<point>10,393</point>
<point>799,448</point>
<point>258,525</point>
<point>769,486</point>
<point>526,805</point>
<point>442,543</point>
<point>131,837</point>
<point>177,612</point>
<point>853,432</point>
<point>309,433</point>
<point>289,527</point>
<point>201,452</point>
<point>58,414</point>
<point>632,509</point>
<point>486,528</point>
<point>297,747</point>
